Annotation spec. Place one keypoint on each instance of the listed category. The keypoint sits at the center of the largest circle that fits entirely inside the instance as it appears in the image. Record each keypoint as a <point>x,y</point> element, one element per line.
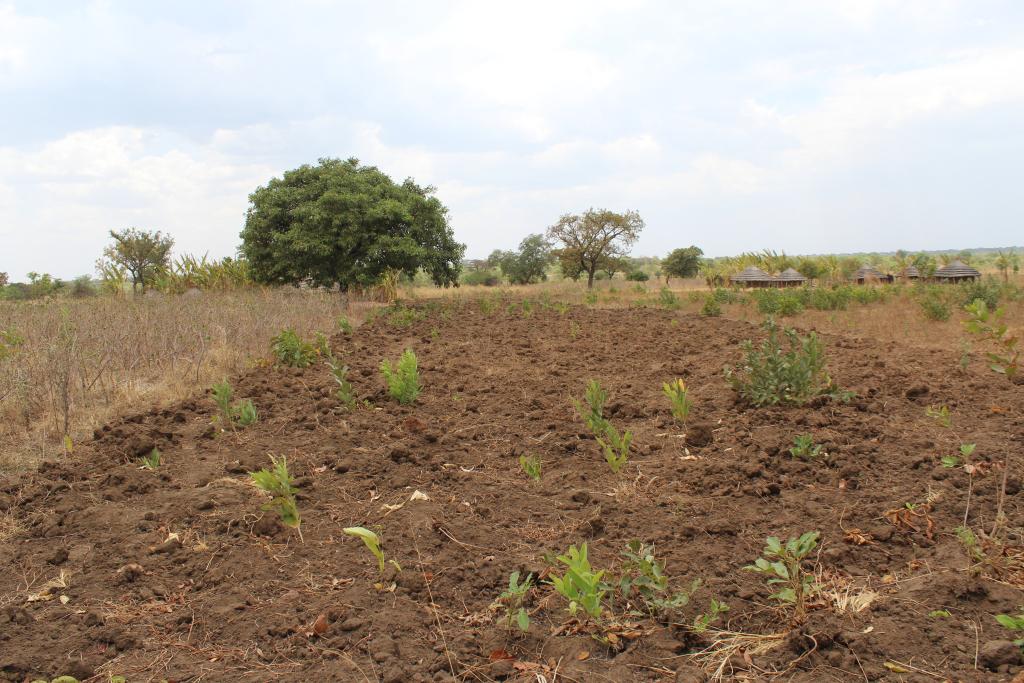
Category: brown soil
<point>177,574</point>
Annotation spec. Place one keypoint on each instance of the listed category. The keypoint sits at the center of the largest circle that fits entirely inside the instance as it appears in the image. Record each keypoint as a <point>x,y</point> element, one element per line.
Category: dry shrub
<point>83,361</point>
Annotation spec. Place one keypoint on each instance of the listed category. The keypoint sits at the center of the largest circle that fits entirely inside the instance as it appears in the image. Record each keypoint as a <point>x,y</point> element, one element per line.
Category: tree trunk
<point>590,279</point>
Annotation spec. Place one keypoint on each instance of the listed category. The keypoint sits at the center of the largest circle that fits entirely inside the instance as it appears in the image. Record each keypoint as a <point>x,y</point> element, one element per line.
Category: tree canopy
<point>341,223</point>
<point>594,240</point>
<point>527,264</point>
<point>683,262</point>
<point>141,252</point>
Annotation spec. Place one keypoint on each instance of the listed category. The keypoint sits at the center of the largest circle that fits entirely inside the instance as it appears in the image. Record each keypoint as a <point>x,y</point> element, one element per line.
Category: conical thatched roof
<point>868,273</point>
<point>957,269</point>
<point>910,272</point>
<point>791,275</point>
<point>752,274</point>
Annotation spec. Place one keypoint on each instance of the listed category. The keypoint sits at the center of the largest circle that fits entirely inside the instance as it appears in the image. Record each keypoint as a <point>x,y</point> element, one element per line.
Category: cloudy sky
<point>804,126</point>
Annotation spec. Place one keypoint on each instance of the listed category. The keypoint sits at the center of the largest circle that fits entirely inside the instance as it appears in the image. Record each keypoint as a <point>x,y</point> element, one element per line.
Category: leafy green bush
<point>638,276</point>
<point>935,307</point>
<point>711,308</point>
<point>988,291</point>
<point>292,350</point>
<point>783,567</point>
<point>771,374</point>
<point>668,299</point>
<point>403,379</point>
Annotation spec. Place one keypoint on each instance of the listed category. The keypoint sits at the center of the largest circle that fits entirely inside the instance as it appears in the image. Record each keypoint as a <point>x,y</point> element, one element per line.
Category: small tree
<point>142,253</point>
<point>592,239</point>
<point>528,264</point>
<point>3,279</point>
<point>682,263</point>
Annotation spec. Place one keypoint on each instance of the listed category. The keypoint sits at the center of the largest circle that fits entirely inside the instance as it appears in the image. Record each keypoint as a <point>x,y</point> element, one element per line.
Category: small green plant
<point>278,483</point>
<point>969,540</point>
<point>711,308</point>
<point>783,565</point>
<point>580,585</point>
<point>593,414</point>
<point>940,415</point>
<point>771,375</point>
<point>940,614</point>
<point>531,466</point>
<point>512,599</point>
<point>339,372</point>
<point>403,379</point>
<point>574,330</point>
<point>10,342</point>
<point>990,326</point>
<point>715,610</point>
<point>292,350</point>
<point>804,447</point>
<point>344,325</point>
<point>668,299</point>
<point>679,396</point>
<point>644,573</point>
<point>1013,623</point>
<point>231,412</point>
<point>615,446</point>
<point>935,307</point>
<point>245,413</point>
<point>966,451</point>
<point>151,461</point>
<point>590,298</point>
<point>373,544</point>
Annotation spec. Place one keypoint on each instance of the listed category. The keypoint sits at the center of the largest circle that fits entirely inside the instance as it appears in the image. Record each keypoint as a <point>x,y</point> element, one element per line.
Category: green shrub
<point>935,307</point>
<point>783,567</point>
<point>711,308</point>
<point>988,291</point>
<point>292,350</point>
<point>638,276</point>
<point>403,379</point>
<point>771,374</point>
<point>668,299</point>
<point>580,585</point>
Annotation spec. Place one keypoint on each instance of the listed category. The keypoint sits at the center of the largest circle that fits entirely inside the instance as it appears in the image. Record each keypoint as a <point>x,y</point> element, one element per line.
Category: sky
<point>796,125</point>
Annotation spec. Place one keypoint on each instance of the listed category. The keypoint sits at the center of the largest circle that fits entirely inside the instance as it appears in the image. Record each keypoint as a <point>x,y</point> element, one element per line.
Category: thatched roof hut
<point>866,274</point>
<point>752,276</point>
<point>790,277</point>
<point>957,271</point>
<point>910,273</point>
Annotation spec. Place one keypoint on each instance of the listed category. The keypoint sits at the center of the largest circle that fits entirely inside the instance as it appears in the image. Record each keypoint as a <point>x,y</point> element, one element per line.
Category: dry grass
<point>85,360</point>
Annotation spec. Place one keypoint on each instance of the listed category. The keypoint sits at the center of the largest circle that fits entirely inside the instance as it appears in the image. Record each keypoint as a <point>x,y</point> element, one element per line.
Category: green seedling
<point>339,372</point>
<point>531,466</point>
<point>783,567</point>
<point>233,413</point>
<point>940,414</point>
<point>615,446</point>
<point>593,414</point>
<point>373,544</point>
<point>1013,623</point>
<point>403,379</point>
<point>580,585</point>
<point>574,329</point>
<point>678,395</point>
<point>512,599</point>
<point>292,350</point>
<point>804,447</point>
<point>969,540</point>
<point>990,326</point>
<point>278,483</point>
<point>245,413</point>
<point>152,460</point>
<point>940,614</point>
<point>344,325</point>
<point>702,621</point>
<point>712,308</point>
<point>966,450</point>
<point>644,573</point>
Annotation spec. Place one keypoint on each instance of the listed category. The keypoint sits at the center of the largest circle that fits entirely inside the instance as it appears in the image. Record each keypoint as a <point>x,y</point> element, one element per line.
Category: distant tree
<point>526,265</point>
<point>681,263</point>
<point>569,263</point>
<point>637,276</point>
<point>3,279</point>
<point>810,267</point>
<point>925,264</point>
<point>614,264</point>
<point>142,253</point>
<point>341,223</point>
<point>593,238</point>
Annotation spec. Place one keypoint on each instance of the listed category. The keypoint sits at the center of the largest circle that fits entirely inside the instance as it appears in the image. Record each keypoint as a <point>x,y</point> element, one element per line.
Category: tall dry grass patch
<point>82,361</point>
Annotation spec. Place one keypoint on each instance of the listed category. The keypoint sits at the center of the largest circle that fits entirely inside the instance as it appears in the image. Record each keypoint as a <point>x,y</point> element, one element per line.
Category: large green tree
<point>593,239</point>
<point>682,263</point>
<point>341,223</point>
<point>141,252</point>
